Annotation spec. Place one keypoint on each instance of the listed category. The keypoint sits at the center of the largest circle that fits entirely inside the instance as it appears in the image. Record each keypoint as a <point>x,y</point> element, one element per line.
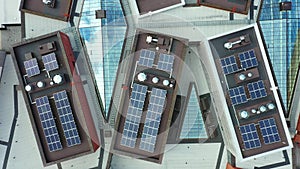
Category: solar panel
<point>248,59</point>
<point>50,62</point>
<point>32,67</point>
<point>66,118</point>
<point>250,136</point>
<point>229,65</point>
<point>238,95</point>
<point>134,113</point>
<point>165,62</point>
<point>153,117</point>
<point>257,90</point>
<point>147,57</point>
<point>48,124</point>
<point>269,131</point>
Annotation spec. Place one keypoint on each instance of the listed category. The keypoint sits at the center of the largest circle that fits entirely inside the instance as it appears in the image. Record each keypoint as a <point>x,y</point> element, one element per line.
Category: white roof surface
<point>9,12</point>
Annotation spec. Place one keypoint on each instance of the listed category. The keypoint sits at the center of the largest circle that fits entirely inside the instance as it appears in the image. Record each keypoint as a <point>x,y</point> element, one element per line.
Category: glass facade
<point>280,30</point>
<point>193,125</point>
<point>104,41</point>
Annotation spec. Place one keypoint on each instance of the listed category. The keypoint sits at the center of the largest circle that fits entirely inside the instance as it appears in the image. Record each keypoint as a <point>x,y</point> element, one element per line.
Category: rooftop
<point>251,95</point>
<point>142,125</point>
<point>236,6</point>
<point>2,61</point>
<point>146,7</point>
<point>51,89</point>
<point>54,9</point>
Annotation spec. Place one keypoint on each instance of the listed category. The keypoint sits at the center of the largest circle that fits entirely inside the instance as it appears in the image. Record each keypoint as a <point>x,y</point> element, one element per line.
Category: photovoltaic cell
<point>257,90</point>
<point>250,136</point>
<point>269,131</point>
<point>134,113</point>
<point>248,59</point>
<point>153,117</point>
<point>238,95</point>
<point>229,65</point>
<point>50,62</point>
<point>48,124</point>
<point>146,58</point>
<point>165,62</point>
<point>66,118</point>
<point>32,67</point>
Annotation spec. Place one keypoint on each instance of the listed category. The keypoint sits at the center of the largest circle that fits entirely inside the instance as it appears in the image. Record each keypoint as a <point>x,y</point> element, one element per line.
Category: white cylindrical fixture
<point>253,110</point>
<point>155,80</point>
<point>166,82</point>
<point>171,85</point>
<point>242,77</point>
<point>262,108</point>
<point>51,83</point>
<point>244,114</point>
<point>40,84</point>
<point>28,88</point>
<point>250,74</point>
<point>57,79</point>
<point>271,106</point>
<point>142,77</point>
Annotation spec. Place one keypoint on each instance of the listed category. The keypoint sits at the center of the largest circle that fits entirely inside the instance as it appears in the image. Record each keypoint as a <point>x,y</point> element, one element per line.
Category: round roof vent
<point>57,79</point>
<point>47,2</point>
<point>244,114</point>
<point>28,88</point>
<point>271,106</point>
<point>242,77</point>
<point>262,108</point>
<point>142,77</point>
<point>155,79</point>
<point>166,82</point>
<point>40,84</point>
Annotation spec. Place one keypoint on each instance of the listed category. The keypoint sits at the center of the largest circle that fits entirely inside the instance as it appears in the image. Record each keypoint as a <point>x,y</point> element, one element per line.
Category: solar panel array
<point>250,136</point>
<point>238,95</point>
<point>248,59</point>
<point>50,62</point>
<point>134,113</point>
<point>66,118</point>
<point>229,65</point>
<point>153,117</point>
<point>48,124</point>
<point>32,67</point>
<point>269,131</point>
<point>147,57</point>
<point>257,90</point>
<point>165,62</point>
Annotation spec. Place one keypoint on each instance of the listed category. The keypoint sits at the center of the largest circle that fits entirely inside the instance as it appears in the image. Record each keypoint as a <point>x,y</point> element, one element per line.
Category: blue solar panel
<point>165,62</point>
<point>248,59</point>
<point>146,57</point>
<point>269,131</point>
<point>32,67</point>
<point>257,90</point>
<point>229,65</point>
<point>66,118</point>
<point>50,62</point>
<point>153,117</point>
<point>249,136</point>
<point>238,95</point>
<point>134,113</point>
<point>48,124</point>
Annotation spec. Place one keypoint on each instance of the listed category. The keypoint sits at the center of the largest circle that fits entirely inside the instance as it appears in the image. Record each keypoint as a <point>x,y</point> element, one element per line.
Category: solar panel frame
<point>250,136</point>
<point>165,62</point>
<point>229,65</point>
<point>50,62</point>
<point>66,118</point>
<point>257,90</point>
<point>237,95</point>
<point>133,116</point>
<point>48,124</point>
<point>153,119</point>
<point>269,131</point>
<point>248,59</point>
<point>146,58</point>
<point>32,67</point>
